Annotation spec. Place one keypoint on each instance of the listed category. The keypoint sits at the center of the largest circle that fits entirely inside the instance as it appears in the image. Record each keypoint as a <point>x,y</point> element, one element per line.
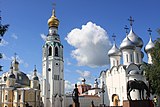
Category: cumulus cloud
<point>68,86</point>
<point>43,36</point>
<point>91,45</point>
<point>14,36</point>
<point>3,42</point>
<point>85,75</point>
<point>68,62</point>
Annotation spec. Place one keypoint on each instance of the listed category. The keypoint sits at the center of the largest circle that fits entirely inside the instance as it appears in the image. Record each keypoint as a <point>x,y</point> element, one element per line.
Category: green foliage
<point>153,70</point>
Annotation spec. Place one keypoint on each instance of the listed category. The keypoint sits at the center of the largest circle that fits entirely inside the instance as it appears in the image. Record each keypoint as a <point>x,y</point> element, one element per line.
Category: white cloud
<point>3,42</point>
<point>68,62</point>
<point>68,86</point>
<point>14,36</point>
<point>85,75</point>
<point>91,45</point>
<point>5,57</point>
<point>43,36</point>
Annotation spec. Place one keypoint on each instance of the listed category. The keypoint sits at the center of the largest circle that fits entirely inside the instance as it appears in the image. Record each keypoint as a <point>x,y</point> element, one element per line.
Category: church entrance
<point>115,100</point>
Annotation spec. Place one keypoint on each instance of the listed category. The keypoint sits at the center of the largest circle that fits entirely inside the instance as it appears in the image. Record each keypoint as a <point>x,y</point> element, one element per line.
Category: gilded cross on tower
<point>54,6</point>
<point>131,20</point>
<point>114,37</point>
<point>149,30</point>
<point>126,28</point>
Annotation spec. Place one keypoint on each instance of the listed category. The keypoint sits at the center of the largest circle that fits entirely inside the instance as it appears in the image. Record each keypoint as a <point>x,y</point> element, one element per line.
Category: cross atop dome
<point>149,31</point>
<point>114,37</point>
<point>131,20</point>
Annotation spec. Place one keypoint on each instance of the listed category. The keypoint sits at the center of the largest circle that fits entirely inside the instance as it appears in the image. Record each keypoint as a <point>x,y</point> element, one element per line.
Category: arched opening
<point>115,100</point>
<point>50,51</point>
<point>56,51</point>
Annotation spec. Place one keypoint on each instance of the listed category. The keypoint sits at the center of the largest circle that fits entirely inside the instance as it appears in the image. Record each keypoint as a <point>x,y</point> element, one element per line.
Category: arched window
<point>56,51</point>
<point>50,51</point>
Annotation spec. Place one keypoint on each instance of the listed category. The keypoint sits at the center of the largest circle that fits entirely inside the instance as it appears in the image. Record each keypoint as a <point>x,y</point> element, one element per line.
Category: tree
<point>152,71</point>
<point>3,29</point>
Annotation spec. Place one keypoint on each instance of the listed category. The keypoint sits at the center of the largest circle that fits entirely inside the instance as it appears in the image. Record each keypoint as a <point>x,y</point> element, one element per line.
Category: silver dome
<point>135,39</point>
<point>114,51</point>
<point>127,44</point>
<point>150,45</point>
<point>133,72</point>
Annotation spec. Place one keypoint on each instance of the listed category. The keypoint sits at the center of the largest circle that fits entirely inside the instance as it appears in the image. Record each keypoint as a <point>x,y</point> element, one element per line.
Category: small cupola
<point>35,77</point>
<point>150,44</point>
<point>53,21</point>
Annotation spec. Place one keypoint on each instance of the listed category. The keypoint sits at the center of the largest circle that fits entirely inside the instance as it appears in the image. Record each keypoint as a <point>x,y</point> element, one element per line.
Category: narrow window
<point>56,51</point>
<point>137,58</point>
<point>19,97</point>
<point>113,63</point>
<point>127,57</point>
<point>131,57</point>
<point>50,51</point>
<point>6,97</point>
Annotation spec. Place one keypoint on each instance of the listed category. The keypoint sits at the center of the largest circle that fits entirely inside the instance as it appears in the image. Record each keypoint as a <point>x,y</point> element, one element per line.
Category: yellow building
<point>17,90</point>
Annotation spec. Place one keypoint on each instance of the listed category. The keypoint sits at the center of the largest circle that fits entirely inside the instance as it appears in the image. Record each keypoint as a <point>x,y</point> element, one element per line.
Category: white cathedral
<point>125,64</point>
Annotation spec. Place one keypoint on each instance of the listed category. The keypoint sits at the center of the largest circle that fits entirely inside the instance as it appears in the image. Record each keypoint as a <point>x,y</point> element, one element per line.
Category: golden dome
<point>53,21</point>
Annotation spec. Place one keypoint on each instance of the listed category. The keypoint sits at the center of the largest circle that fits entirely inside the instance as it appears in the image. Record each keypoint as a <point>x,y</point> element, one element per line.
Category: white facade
<point>118,75</point>
<point>52,67</point>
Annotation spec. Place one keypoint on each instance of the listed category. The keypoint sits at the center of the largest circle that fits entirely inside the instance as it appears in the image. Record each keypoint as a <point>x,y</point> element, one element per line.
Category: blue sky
<point>28,21</point>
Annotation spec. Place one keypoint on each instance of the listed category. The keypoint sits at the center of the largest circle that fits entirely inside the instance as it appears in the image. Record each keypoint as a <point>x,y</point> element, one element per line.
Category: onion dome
<point>127,44</point>
<point>35,77</point>
<point>150,45</point>
<point>53,21</point>
<point>133,72</point>
<point>11,75</point>
<point>15,62</point>
<point>135,39</point>
<point>114,51</point>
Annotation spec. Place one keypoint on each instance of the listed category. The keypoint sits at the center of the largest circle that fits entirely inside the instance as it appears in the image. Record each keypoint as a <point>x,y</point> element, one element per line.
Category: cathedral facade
<point>17,90</point>
<point>125,65</point>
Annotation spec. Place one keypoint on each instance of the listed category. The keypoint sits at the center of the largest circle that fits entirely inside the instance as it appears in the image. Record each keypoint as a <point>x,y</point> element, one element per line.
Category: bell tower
<point>52,67</point>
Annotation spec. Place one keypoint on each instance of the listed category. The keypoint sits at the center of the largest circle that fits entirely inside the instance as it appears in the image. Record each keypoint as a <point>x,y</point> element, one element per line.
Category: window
<point>117,62</point>
<point>56,51</point>
<point>131,57</point>
<point>6,97</point>
<point>113,63</point>
<point>56,77</point>
<point>50,51</point>
<point>137,58</point>
<point>19,97</point>
<point>127,58</point>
